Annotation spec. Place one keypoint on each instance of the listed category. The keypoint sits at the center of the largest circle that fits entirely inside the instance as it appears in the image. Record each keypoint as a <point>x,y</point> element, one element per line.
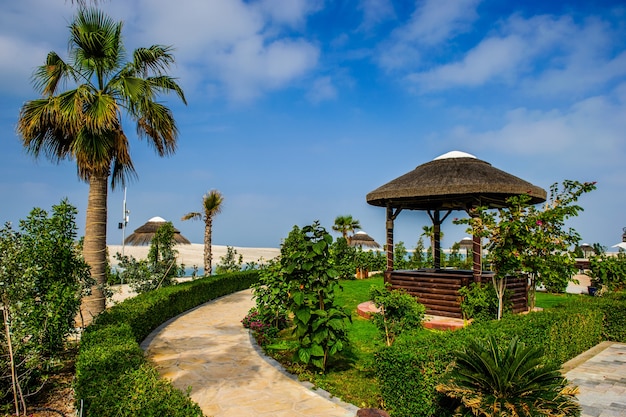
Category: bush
<point>112,376</point>
<point>400,312</point>
<point>409,370</point>
<point>480,302</point>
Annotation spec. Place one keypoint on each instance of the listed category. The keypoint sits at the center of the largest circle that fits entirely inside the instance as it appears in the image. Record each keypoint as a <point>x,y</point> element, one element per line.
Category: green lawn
<point>350,375</point>
<point>548,300</point>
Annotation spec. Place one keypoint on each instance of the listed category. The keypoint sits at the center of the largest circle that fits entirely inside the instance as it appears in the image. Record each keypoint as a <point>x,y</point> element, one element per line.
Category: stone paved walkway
<point>600,375</point>
<point>208,350</point>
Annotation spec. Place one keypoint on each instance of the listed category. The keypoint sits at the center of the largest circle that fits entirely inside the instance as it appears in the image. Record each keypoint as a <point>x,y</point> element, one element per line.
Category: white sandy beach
<point>193,254</point>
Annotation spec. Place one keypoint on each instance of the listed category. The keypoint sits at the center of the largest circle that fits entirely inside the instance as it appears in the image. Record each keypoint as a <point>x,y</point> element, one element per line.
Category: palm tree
<point>489,381</point>
<point>345,225</point>
<point>211,205</point>
<point>84,123</point>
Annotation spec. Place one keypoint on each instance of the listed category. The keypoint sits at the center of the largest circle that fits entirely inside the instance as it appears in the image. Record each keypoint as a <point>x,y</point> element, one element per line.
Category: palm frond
<point>194,215</point>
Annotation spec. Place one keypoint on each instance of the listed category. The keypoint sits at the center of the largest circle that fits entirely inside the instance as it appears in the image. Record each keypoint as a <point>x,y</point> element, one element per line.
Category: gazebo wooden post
<point>437,240</point>
<point>389,227</point>
<point>477,264</point>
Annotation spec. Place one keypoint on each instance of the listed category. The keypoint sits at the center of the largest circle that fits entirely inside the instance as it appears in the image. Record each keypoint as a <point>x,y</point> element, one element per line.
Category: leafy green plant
<point>487,380</point>
<point>230,262</point>
<point>480,302</point>
<point>524,239</point>
<point>344,258</point>
<point>42,274</point>
<point>609,271</point>
<point>159,269</point>
<point>400,260</point>
<point>399,312</point>
<point>320,325</point>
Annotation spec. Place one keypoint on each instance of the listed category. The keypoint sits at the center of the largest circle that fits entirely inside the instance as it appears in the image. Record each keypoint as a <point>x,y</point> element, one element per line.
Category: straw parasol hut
<point>362,239</point>
<point>143,235</point>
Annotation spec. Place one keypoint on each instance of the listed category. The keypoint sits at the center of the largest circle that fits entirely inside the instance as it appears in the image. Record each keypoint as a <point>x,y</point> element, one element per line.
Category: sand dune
<point>193,254</point>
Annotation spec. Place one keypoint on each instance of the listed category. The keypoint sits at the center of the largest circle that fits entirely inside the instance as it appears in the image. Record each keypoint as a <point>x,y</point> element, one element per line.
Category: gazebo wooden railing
<point>438,289</point>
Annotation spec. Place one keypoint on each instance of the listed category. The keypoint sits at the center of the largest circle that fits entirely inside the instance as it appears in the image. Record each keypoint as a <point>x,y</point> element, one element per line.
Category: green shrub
<point>410,369</point>
<point>112,376</point>
<point>399,312</point>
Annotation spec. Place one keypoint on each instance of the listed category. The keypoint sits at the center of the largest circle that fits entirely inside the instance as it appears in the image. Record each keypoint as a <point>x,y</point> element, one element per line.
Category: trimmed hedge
<point>409,370</point>
<point>113,377</point>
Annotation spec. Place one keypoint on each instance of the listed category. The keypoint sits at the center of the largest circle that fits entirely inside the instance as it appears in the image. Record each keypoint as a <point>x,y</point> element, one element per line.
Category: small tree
<point>320,325</point>
<point>416,260</point>
<point>399,312</point>
<point>41,276</point>
<point>160,267</point>
<point>524,239</point>
<point>343,258</point>
<point>400,253</point>
<point>229,262</point>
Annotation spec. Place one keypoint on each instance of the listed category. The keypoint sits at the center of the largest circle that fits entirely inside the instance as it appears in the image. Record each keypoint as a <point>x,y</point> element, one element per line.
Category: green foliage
<point>229,262</point>
<point>399,312</point>
<point>345,258</point>
<point>609,271</point>
<point>416,260</point>
<point>400,259</point>
<point>271,294</point>
<point>525,239</point>
<point>159,269</point>
<point>42,274</point>
<point>489,380</point>
<point>320,325</point>
<point>480,302</point>
<point>410,369</point>
<point>112,375</point>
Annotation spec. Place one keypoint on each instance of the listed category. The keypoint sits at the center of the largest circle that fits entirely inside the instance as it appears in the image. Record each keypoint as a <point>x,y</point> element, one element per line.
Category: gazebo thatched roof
<point>454,181</point>
<point>143,235</point>
<point>363,239</point>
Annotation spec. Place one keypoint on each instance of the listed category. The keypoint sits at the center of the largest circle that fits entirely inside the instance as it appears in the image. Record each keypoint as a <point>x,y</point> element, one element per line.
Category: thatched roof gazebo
<point>453,181</point>
<point>143,235</point>
<point>362,239</point>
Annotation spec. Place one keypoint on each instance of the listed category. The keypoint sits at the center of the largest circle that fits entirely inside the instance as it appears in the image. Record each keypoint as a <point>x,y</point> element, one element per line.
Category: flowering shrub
<point>263,332</point>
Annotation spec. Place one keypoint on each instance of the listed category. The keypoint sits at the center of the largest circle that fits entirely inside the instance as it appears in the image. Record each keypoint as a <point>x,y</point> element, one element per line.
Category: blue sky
<point>299,108</point>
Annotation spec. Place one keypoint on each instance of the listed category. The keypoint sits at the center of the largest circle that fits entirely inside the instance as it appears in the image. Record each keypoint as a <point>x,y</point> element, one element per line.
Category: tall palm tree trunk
<point>207,246</point>
<point>94,247</point>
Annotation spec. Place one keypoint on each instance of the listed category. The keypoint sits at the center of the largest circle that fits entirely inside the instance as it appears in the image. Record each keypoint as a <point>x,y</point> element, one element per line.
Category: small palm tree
<point>489,381</point>
<point>211,205</point>
<point>345,225</point>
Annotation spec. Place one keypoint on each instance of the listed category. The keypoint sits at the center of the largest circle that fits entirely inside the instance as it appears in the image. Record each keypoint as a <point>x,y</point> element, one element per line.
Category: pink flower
<point>539,223</point>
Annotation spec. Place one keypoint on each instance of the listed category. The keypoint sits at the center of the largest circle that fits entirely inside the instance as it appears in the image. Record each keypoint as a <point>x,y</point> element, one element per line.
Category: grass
<point>549,300</point>
<point>350,375</point>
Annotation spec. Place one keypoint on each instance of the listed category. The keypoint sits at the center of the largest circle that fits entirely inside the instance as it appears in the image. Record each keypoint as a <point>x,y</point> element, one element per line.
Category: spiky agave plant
<point>513,381</point>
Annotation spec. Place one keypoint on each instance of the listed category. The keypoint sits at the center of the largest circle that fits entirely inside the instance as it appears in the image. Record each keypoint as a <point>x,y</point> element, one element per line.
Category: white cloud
<point>323,89</point>
<point>245,48</point>
<point>375,12</point>
<point>433,22</point>
<point>542,55</point>
<point>588,134</point>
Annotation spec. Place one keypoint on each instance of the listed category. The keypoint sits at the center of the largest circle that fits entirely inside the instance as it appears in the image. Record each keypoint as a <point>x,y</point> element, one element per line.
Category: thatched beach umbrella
<point>453,181</point>
<point>143,235</point>
<point>362,239</point>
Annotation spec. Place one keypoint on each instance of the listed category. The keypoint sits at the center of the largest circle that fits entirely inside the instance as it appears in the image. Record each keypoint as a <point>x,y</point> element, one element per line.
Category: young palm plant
<point>490,381</point>
<point>211,205</point>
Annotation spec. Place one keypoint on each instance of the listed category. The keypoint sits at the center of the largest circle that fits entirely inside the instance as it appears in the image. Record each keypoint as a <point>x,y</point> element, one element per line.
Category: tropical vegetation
<point>211,206</point>
<point>346,224</point>
<point>85,122</point>
<point>490,380</point>
<point>160,267</point>
<point>42,276</point>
